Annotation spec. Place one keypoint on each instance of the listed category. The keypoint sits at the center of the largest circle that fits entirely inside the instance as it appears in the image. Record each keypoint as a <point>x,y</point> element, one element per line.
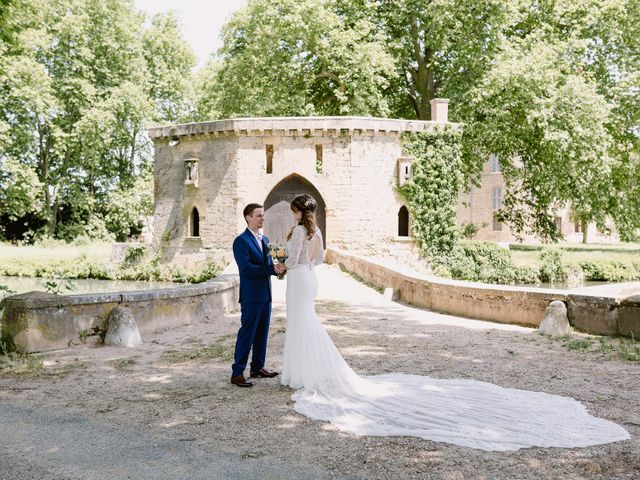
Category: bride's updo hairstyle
<point>307,205</point>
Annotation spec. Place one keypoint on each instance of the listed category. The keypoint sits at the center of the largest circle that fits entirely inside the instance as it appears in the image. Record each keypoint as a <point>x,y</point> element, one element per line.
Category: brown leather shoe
<point>264,373</point>
<point>240,381</point>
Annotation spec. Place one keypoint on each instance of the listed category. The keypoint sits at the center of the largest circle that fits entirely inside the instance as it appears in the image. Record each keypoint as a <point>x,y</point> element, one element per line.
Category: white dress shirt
<point>258,237</point>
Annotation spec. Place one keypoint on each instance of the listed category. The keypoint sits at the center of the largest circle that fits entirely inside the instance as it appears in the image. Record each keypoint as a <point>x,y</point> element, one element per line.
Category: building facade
<point>479,206</point>
<point>205,173</point>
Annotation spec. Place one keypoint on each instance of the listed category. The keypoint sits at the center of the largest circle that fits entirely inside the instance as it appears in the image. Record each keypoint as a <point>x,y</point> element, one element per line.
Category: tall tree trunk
<point>421,80</point>
<point>585,226</point>
<point>44,147</point>
<point>132,157</point>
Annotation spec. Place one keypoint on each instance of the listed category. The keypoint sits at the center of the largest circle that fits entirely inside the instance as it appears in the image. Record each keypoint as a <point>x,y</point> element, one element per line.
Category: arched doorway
<point>278,219</point>
<point>403,222</point>
<point>194,227</point>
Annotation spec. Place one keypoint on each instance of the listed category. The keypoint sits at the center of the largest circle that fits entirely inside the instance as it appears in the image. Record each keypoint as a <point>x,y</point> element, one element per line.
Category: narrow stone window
<point>497,224</point>
<point>495,163</point>
<point>404,170</point>
<point>496,197</point>
<point>403,222</point>
<point>269,152</point>
<point>194,224</point>
<point>318,158</point>
<point>577,227</point>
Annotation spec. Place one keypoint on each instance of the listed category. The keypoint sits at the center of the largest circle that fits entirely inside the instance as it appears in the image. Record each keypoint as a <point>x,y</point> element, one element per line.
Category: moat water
<point>71,287</point>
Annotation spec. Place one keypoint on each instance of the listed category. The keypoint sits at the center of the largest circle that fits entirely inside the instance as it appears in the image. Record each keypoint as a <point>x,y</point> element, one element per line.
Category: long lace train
<point>462,412</point>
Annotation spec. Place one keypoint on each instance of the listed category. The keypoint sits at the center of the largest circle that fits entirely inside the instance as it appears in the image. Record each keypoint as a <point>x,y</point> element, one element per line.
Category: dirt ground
<point>177,385</point>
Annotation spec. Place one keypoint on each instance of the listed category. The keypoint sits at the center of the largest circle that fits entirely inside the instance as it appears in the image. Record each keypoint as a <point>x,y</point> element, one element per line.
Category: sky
<point>201,20</point>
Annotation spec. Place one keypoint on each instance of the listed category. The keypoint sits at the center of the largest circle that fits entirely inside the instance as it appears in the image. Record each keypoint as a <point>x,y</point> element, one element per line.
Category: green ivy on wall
<point>432,196</point>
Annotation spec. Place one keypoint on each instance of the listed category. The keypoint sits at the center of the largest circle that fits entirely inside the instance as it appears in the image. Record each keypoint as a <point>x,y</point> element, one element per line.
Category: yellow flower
<point>280,253</point>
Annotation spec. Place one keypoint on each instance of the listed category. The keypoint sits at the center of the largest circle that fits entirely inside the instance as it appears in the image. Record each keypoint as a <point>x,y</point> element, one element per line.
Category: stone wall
<point>610,310</point>
<point>476,206</point>
<point>215,196</point>
<point>293,154</point>
<point>37,321</point>
<point>357,181</point>
<point>370,208</point>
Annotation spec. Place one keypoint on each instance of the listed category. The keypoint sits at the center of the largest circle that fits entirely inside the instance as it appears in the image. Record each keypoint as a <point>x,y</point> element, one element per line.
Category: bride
<point>462,412</point>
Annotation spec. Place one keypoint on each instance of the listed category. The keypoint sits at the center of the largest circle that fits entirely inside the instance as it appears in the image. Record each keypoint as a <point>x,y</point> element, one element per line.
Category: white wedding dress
<point>468,413</point>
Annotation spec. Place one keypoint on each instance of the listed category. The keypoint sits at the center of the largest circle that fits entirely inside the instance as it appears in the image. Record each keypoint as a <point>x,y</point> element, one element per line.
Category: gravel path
<point>172,395</point>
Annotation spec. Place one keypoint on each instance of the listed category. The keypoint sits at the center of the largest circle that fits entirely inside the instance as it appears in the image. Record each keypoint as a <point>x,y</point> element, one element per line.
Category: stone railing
<point>608,310</point>
<point>37,321</point>
<point>295,126</point>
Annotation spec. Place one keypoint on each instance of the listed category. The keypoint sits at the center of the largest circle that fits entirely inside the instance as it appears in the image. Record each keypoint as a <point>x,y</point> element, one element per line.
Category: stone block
<point>593,313</point>
<point>555,320</point>
<point>37,321</point>
<point>629,317</point>
<point>122,330</point>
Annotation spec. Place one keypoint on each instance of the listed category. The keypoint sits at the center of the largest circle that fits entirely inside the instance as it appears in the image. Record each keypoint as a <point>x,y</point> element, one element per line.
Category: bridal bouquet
<point>279,255</point>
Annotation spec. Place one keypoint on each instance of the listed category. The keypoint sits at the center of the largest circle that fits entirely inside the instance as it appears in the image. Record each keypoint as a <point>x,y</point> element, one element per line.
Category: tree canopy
<point>298,58</point>
<point>551,86</point>
<point>80,81</point>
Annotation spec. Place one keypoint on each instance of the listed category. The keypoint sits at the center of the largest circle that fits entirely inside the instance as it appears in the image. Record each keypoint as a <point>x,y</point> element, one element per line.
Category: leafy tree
<point>127,210</point>
<point>551,125</point>
<point>20,192</point>
<point>169,61</point>
<point>550,85</point>
<point>551,108</point>
<point>298,57</point>
<point>441,48</point>
<point>79,82</point>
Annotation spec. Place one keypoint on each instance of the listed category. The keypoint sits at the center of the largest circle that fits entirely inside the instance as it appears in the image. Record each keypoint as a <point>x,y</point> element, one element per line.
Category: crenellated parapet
<point>296,127</point>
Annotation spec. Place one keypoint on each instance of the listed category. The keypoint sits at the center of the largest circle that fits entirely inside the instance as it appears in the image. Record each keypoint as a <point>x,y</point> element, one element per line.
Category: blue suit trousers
<point>253,334</point>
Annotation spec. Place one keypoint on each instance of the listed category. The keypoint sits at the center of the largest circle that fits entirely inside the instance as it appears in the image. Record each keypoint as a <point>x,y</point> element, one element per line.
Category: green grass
<point>578,344</point>
<point>57,251</point>
<point>531,258</point>
<point>580,247</point>
<point>20,365</point>
<point>13,364</point>
<point>627,349</point>
<point>220,349</point>
<point>57,260</point>
<point>123,364</point>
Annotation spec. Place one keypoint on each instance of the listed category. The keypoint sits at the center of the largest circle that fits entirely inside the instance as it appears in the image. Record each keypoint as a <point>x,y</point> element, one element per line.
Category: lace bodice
<point>298,248</point>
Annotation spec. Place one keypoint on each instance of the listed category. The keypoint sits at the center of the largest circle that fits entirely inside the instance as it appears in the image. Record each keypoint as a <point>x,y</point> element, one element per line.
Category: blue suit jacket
<point>255,268</point>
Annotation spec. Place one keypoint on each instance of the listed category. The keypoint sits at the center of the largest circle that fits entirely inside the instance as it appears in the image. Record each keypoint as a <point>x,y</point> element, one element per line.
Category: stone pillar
<point>440,110</point>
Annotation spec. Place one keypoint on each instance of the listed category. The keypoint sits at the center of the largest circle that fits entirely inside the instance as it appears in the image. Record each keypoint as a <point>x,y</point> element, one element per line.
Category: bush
<point>551,267</point>
<point>469,230</point>
<point>135,254</point>
<point>94,229</point>
<point>482,261</point>
<point>589,247</point>
<point>611,271</point>
<point>527,275</point>
<point>49,242</point>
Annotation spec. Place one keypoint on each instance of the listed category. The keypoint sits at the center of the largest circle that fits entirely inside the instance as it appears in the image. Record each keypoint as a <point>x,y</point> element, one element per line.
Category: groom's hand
<point>279,268</point>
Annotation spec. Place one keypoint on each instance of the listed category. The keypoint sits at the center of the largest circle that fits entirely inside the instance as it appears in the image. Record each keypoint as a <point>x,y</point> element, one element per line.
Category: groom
<point>256,267</point>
